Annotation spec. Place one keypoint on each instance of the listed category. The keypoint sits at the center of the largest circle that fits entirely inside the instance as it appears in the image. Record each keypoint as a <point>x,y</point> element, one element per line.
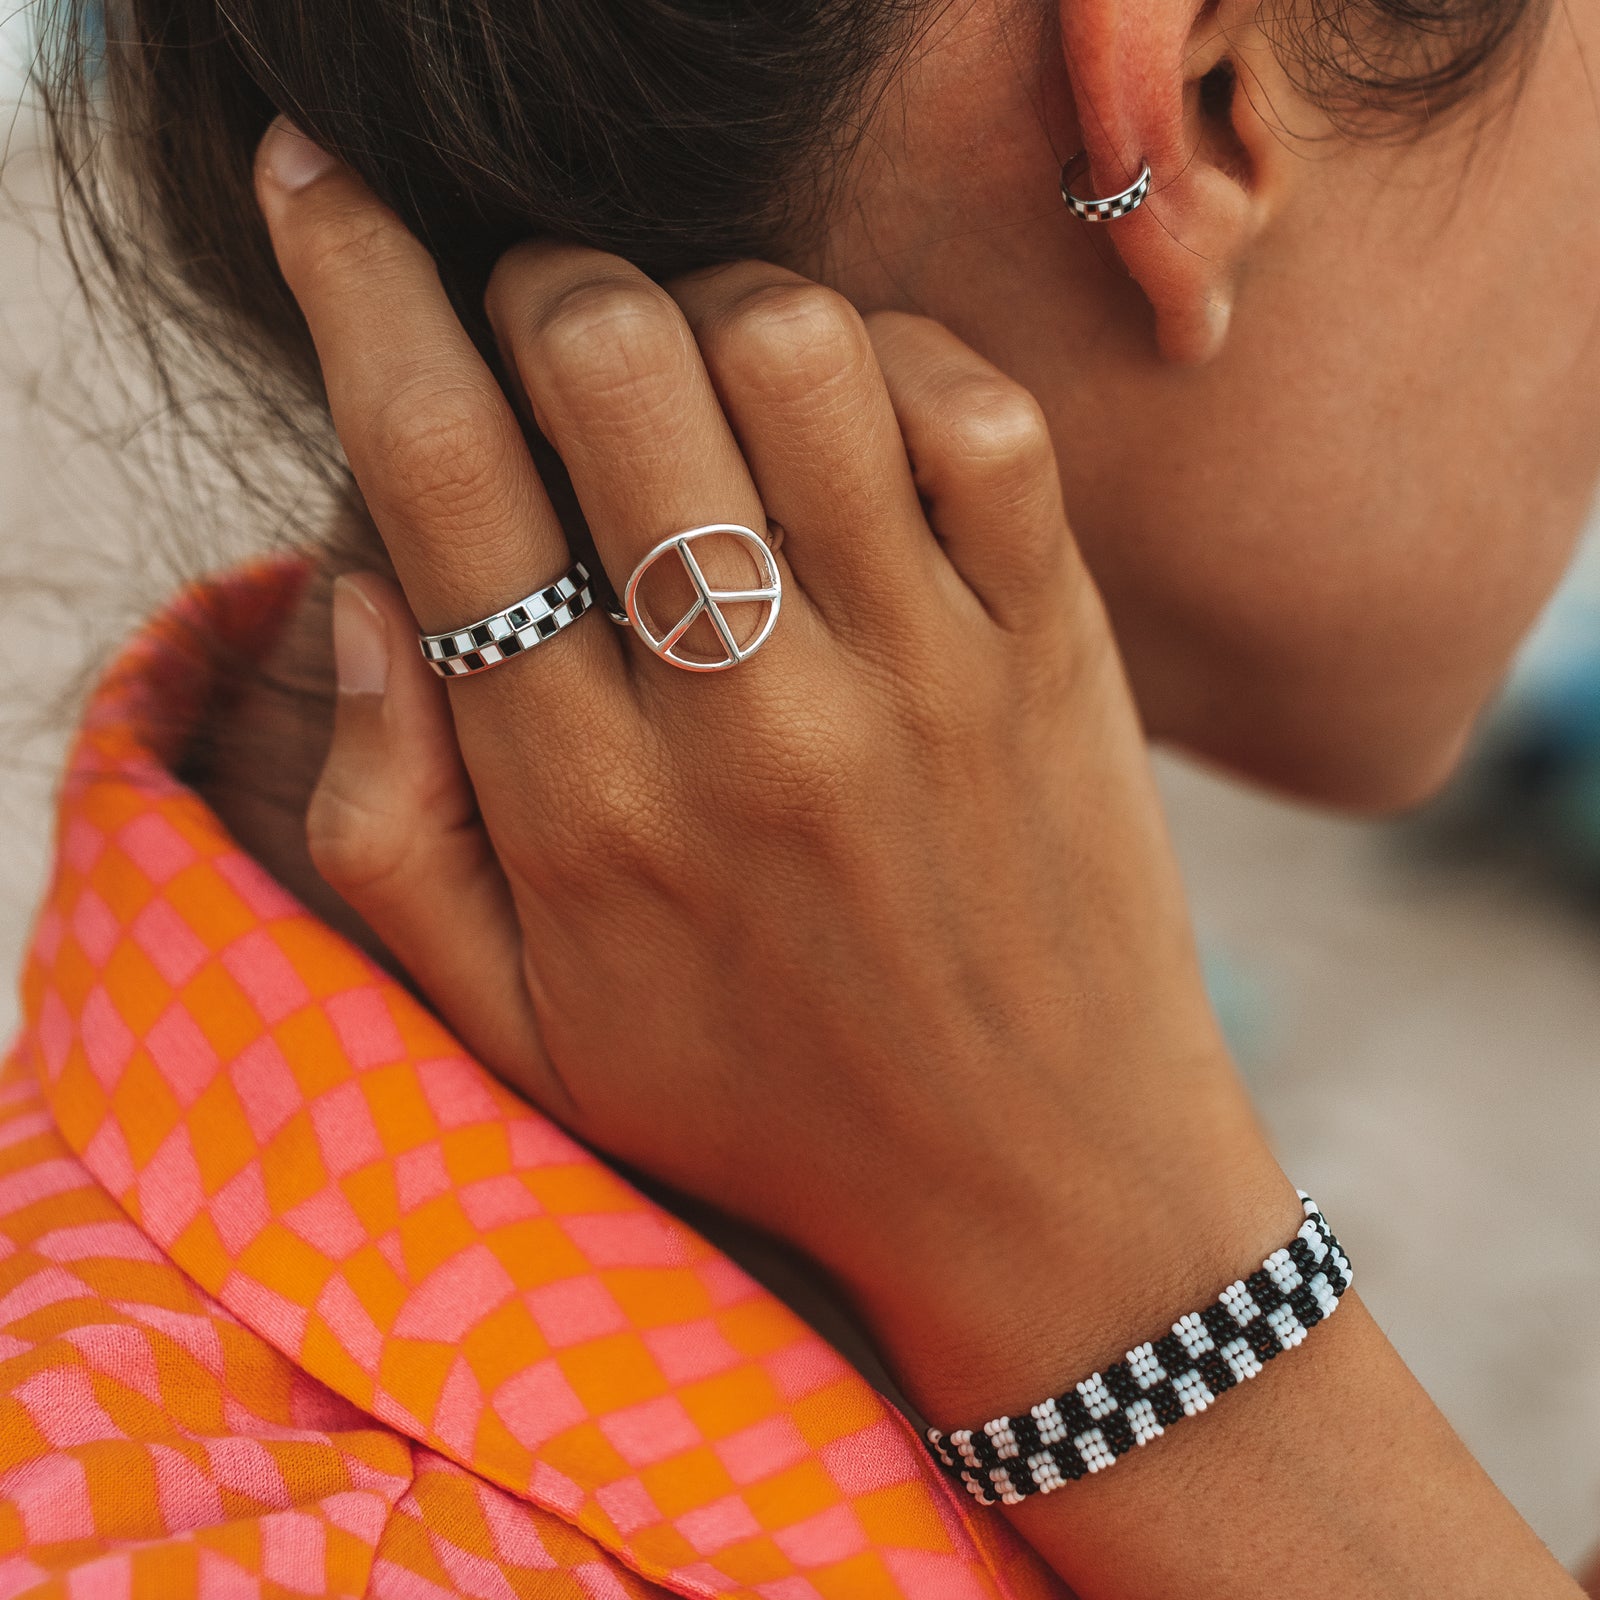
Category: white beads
<point>1312,1235</point>
<point>1193,1334</point>
<point>1096,1397</point>
<point>1097,1454</point>
<point>1192,1391</point>
<point>1280,1267</point>
<point>1052,1425</point>
<point>1242,1361</point>
<point>1001,1436</point>
<point>1087,1428</point>
<point>1240,1303</point>
<point>1145,1367</point>
<point>1327,1300</point>
<point>1288,1327</point>
<point>1142,1419</point>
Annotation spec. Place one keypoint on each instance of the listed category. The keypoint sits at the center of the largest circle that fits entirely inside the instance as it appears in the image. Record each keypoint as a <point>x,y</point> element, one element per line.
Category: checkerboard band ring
<point>512,632</point>
<point>1094,1423</point>
<point>1113,205</point>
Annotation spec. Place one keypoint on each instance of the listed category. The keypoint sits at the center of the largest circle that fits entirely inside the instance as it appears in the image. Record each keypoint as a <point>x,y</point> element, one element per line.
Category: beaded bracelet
<point>1175,1376</point>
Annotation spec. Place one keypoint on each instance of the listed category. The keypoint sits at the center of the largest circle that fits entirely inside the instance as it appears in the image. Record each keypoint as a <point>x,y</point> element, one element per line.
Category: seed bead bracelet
<point>1175,1376</point>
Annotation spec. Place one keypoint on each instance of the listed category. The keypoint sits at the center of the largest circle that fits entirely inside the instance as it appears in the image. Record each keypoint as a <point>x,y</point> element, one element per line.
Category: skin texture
<point>909,978</point>
<point>1322,407</point>
<point>1318,545</point>
<point>1315,419</point>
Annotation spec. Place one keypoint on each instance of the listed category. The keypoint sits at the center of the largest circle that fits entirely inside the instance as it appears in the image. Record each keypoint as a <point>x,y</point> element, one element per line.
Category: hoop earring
<point>1114,205</point>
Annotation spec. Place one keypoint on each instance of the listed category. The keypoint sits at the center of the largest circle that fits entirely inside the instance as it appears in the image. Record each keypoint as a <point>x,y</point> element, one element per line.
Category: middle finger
<point>615,382</point>
<point>806,398</point>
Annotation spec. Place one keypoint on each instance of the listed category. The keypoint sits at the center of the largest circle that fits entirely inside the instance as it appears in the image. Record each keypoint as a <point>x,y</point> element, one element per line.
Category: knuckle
<point>950,721</point>
<point>989,424</point>
<point>622,837</point>
<point>801,768</point>
<point>440,447</point>
<point>626,841</point>
<point>794,337</point>
<point>355,847</point>
<point>608,334</point>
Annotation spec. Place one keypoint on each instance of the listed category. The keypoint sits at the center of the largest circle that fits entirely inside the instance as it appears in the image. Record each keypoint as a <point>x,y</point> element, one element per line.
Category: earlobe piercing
<point>1110,208</point>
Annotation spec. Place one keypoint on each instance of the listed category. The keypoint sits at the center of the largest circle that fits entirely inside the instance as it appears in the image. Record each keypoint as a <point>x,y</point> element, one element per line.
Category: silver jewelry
<point>708,602</point>
<point>1114,205</point>
<point>511,632</point>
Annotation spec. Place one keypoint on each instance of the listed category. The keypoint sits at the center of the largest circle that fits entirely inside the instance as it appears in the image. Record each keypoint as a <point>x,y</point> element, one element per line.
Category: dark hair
<point>673,132</point>
<point>676,133</point>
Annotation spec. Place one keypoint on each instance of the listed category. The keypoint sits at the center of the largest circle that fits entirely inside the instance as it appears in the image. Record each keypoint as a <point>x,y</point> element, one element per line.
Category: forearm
<point>1332,1473</point>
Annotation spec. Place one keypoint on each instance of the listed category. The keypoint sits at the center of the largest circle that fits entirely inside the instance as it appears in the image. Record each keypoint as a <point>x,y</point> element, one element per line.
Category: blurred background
<point>1416,1004</point>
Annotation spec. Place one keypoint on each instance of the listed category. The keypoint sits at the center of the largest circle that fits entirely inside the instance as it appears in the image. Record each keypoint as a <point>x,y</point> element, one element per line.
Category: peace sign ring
<point>708,602</point>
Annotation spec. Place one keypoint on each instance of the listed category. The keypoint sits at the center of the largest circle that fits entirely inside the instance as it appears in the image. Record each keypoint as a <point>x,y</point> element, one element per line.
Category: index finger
<point>432,440</point>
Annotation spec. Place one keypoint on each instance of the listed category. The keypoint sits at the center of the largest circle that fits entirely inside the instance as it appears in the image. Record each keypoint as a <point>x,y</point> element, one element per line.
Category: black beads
<point>1093,1424</point>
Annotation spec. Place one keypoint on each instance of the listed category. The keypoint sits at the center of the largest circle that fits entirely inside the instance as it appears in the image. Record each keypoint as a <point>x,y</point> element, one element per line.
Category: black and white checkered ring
<point>1086,1429</point>
<point>511,632</point>
<point>1113,206</point>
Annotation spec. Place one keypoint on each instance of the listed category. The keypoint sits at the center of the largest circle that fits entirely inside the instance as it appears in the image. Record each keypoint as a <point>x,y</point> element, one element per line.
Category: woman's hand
<point>874,940</point>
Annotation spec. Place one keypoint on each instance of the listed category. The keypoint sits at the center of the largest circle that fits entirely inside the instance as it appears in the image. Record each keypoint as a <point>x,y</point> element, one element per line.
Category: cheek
<point>1322,550</point>
<point>1325,595</point>
<point>1321,580</point>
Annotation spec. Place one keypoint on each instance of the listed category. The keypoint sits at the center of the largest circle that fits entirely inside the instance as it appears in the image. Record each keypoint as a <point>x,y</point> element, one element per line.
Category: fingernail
<point>360,641</point>
<point>290,159</point>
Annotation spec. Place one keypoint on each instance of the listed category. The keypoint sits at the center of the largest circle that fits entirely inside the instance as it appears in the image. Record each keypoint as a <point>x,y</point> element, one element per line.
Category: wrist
<point>1012,1284</point>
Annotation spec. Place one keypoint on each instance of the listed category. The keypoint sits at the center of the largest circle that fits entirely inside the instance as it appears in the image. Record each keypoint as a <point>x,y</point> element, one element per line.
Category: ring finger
<point>801,384</point>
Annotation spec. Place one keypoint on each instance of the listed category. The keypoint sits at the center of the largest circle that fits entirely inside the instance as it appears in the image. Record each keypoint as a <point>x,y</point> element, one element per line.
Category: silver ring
<point>708,602</point>
<point>512,632</point>
<point>1114,205</point>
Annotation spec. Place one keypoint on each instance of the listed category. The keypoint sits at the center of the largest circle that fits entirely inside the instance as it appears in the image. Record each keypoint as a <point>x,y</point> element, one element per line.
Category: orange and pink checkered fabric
<point>296,1299</point>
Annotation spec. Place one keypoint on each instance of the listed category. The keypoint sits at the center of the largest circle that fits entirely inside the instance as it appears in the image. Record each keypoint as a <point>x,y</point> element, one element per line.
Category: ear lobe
<point>1151,83</point>
<point>1187,253</point>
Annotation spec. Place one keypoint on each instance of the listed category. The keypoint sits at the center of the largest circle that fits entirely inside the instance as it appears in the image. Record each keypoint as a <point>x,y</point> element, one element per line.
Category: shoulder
<point>148,1435</point>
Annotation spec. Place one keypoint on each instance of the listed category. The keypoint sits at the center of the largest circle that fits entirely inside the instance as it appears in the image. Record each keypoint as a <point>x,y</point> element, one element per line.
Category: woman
<point>868,954</point>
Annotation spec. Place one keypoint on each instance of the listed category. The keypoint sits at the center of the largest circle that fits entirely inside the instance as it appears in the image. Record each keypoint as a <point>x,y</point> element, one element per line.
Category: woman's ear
<point>1196,97</point>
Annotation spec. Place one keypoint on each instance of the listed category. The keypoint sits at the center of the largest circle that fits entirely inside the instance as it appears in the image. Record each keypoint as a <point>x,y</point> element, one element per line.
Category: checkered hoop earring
<point>1114,205</point>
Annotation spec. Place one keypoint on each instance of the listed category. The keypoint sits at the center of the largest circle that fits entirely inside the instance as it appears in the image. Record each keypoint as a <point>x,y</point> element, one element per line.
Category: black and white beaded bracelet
<point>1175,1376</point>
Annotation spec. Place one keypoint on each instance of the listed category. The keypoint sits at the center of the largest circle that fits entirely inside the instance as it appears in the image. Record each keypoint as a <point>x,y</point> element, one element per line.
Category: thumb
<point>393,826</point>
